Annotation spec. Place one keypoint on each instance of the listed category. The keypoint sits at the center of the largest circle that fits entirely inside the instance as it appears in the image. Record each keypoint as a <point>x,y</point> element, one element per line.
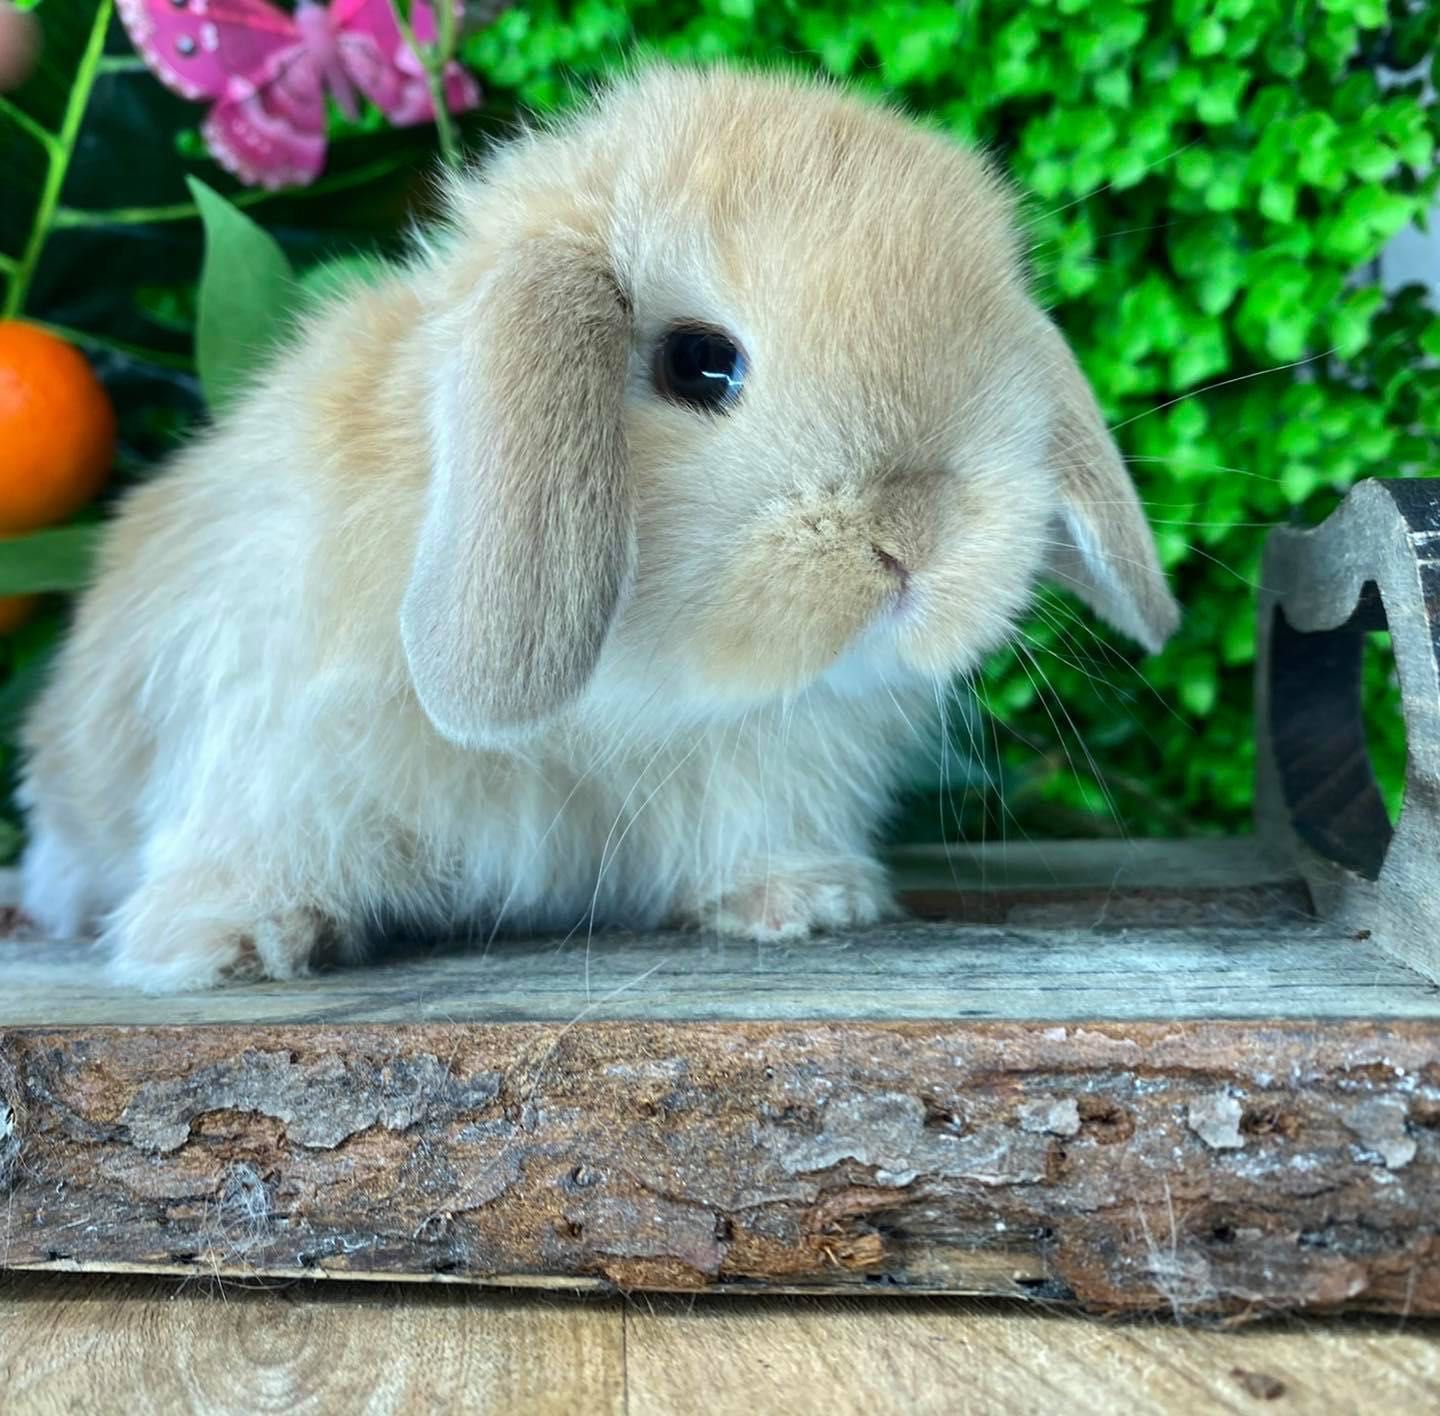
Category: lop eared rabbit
<point>599,565</point>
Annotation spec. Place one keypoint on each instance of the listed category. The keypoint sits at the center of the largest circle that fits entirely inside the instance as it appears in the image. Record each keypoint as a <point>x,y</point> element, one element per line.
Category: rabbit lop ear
<point>526,544</point>
<point>1102,548</point>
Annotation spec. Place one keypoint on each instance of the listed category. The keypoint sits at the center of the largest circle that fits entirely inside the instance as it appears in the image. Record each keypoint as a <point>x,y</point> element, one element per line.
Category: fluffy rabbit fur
<point>456,621</point>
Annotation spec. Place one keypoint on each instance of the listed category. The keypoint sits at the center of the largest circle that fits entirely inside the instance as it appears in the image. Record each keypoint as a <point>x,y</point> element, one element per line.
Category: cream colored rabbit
<point>603,563</point>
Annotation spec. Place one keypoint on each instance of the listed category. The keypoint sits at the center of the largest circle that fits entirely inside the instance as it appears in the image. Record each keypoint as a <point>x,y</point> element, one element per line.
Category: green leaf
<point>836,41</point>
<point>1350,326</point>
<point>247,293</point>
<point>1277,202</point>
<point>914,41</point>
<point>1127,167</point>
<point>1207,37</point>
<point>1298,480</point>
<point>1194,168</point>
<point>1285,57</point>
<point>48,561</point>
<point>1199,690</point>
<point>1201,354</point>
<point>1218,102</point>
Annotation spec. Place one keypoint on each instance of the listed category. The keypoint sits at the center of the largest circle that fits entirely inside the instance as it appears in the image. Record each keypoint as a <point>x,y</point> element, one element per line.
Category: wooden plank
<point>136,1345</point>
<point>1076,931</point>
<point>1196,1167</point>
<point>925,970</point>
<point>917,1358</point>
<point>1143,864</point>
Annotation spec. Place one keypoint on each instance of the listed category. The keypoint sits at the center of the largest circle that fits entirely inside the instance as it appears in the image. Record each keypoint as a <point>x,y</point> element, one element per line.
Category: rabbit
<point>600,564</point>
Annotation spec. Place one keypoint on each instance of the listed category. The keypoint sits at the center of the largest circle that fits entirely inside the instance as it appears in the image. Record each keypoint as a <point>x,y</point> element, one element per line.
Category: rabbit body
<point>457,619</point>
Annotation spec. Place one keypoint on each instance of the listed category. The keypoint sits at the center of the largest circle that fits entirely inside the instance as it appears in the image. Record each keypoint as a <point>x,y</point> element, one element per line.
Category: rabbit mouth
<point>817,583</point>
<point>788,631</point>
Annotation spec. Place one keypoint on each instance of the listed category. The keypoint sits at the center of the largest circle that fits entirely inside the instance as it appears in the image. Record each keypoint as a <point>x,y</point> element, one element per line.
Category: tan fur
<point>526,545</point>
<point>455,620</point>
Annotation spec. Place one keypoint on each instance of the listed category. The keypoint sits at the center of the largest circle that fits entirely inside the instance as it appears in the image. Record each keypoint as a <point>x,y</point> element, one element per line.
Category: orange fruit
<point>57,438</point>
<point>57,429</point>
<point>15,610</point>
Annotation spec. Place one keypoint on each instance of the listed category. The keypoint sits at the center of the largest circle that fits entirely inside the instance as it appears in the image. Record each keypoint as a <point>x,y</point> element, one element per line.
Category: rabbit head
<point>736,386</point>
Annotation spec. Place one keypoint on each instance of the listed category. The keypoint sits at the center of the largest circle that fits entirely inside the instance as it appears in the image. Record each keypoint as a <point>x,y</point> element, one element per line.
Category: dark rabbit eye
<point>700,367</point>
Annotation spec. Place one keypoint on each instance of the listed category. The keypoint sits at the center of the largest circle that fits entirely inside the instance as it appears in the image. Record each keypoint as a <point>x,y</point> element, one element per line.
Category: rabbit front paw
<point>793,899</point>
<point>176,935</point>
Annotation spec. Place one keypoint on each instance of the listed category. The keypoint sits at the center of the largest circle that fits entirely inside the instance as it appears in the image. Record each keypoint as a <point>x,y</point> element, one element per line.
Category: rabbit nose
<point>895,567</point>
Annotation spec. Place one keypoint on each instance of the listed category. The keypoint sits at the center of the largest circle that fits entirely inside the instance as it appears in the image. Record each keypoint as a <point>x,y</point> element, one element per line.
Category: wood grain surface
<point>1062,932</point>
<point>144,1346</point>
<point>929,1358</point>
<point>138,1346</point>
<point>926,970</point>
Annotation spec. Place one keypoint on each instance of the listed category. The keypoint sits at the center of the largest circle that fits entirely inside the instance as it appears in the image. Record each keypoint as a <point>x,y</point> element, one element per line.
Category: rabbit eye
<point>700,367</point>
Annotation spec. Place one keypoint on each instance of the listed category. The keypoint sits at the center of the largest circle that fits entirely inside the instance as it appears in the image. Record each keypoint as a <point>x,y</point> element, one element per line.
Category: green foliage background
<point>1207,184</point>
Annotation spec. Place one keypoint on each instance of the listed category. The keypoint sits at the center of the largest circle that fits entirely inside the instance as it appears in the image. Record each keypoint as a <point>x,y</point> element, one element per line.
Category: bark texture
<point>1206,1167</point>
